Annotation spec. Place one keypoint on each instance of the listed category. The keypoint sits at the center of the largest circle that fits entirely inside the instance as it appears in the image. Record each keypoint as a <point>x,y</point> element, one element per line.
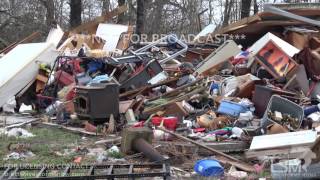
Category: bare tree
<point>75,12</point>
<point>255,6</point>
<point>140,16</point>
<point>105,6</point>
<point>121,17</point>
<point>157,16</point>
<point>50,15</point>
<point>245,8</point>
<point>227,11</point>
<point>131,11</point>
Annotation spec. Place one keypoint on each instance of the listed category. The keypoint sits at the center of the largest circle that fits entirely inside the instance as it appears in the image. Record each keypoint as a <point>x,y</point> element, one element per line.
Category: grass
<point>117,155</point>
<point>45,144</point>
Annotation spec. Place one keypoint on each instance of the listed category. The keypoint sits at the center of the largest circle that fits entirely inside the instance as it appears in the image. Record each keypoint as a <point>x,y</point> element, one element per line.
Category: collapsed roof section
<point>271,20</point>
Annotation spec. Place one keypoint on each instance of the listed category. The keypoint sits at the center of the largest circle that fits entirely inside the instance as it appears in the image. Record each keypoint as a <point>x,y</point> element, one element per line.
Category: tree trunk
<point>105,6</point>
<point>245,8</point>
<point>50,17</point>
<point>75,13</point>
<point>227,11</point>
<point>140,17</point>
<point>255,7</point>
<point>131,12</point>
<point>157,19</point>
<point>121,17</point>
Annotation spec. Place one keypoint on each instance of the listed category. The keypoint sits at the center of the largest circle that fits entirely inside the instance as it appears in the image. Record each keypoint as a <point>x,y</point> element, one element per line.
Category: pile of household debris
<point>263,100</point>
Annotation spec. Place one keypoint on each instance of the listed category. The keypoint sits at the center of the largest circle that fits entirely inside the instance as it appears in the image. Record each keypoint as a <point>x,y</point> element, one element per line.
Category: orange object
<point>276,129</point>
<point>77,160</point>
<point>89,127</point>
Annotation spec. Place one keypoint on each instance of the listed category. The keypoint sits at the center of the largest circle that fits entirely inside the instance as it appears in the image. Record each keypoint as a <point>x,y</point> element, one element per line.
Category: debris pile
<point>258,96</point>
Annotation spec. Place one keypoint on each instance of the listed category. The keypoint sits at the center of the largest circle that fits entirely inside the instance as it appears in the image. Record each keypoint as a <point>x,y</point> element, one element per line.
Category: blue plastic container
<point>311,109</point>
<point>208,167</point>
<point>231,108</point>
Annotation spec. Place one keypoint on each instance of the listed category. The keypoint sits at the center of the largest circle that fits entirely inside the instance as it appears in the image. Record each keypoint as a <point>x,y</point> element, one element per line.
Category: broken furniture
<point>142,77</point>
<point>274,60</point>
<point>227,50</point>
<point>97,101</point>
<point>282,146</point>
<point>139,139</point>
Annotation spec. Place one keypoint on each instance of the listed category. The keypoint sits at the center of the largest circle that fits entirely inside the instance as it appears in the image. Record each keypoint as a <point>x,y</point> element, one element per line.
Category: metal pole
<point>141,145</point>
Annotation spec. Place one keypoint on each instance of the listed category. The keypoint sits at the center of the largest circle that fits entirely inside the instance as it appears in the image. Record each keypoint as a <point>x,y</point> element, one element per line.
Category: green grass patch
<point>45,144</point>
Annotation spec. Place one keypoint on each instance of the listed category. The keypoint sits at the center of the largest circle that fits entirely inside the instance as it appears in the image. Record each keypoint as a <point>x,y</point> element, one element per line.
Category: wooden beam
<point>178,99</point>
<point>177,90</point>
<point>238,24</point>
<point>135,91</point>
<point>289,15</point>
<point>224,158</point>
<point>91,26</point>
<point>70,129</point>
<point>22,124</point>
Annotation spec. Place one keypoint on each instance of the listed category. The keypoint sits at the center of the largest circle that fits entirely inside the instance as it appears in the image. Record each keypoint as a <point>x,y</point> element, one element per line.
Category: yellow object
<point>98,53</point>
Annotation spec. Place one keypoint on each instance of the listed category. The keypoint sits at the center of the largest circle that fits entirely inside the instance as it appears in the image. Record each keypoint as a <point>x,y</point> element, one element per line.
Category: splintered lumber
<point>91,26</point>
<point>71,129</point>
<point>289,15</point>
<point>22,124</point>
<point>181,98</point>
<point>198,144</point>
<point>109,141</point>
<point>142,89</point>
<point>225,159</point>
<point>177,90</point>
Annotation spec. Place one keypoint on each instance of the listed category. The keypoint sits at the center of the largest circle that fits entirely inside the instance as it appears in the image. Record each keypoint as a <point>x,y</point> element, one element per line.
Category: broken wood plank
<point>91,26</point>
<point>109,141</point>
<point>22,124</point>
<point>224,158</point>
<point>124,41</point>
<point>177,90</point>
<point>198,144</point>
<point>315,148</point>
<point>232,146</point>
<point>289,15</point>
<point>135,91</point>
<point>279,153</point>
<point>178,99</point>
<point>71,129</point>
<point>238,24</point>
<point>290,139</point>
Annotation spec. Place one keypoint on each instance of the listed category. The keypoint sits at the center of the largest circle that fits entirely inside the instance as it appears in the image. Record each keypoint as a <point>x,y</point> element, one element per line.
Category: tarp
<point>20,66</point>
